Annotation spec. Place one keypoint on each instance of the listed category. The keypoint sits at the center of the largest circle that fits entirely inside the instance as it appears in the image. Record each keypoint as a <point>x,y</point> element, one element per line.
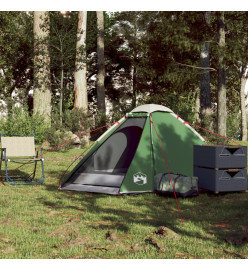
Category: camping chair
<point>20,149</point>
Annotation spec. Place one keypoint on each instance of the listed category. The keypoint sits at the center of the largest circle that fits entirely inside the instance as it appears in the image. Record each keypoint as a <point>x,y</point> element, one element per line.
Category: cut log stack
<point>221,168</point>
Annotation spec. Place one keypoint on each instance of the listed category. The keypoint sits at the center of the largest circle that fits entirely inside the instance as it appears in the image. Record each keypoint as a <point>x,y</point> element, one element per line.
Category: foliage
<point>182,105</point>
<point>234,125</point>
<point>100,120</point>
<point>57,137</point>
<point>63,55</point>
<point>150,57</point>
<point>75,123</point>
<point>20,122</point>
<point>16,43</point>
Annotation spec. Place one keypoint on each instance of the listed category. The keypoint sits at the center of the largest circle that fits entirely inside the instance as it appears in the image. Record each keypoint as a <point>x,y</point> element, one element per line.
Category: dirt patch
<point>231,199</point>
<point>74,219</point>
<point>4,239</point>
<point>65,231</point>
<point>51,205</point>
<point>35,229</point>
<point>135,247</point>
<point>111,236</point>
<point>52,213</point>
<point>168,233</point>
<point>97,248</point>
<point>155,242</point>
<point>13,221</point>
<point>109,225</point>
<point>227,224</point>
<point>79,240</point>
<point>183,255</point>
<point>6,221</point>
<point>234,254</point>
<point>8,250</point>
<point>223,227</point>
<point>237,240</point>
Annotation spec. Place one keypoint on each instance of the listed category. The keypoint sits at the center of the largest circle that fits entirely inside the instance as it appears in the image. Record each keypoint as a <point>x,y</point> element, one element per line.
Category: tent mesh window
<point>108,165</point>
<point>116,153</point>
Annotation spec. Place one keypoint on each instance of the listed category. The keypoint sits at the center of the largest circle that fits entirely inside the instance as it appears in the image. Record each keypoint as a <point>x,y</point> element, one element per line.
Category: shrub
<point>234,125</point>
<point>20,122</point>
<point>57,137</point>
<point>73,122</point>
<point>76,121</point>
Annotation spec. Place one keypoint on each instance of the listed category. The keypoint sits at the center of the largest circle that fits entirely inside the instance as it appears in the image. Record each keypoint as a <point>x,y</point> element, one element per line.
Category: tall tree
<point>243,79</point>
<point>100,62</point>
<point>205,101</point>
<point>42,80</point>
<point>221,107</point>
<point>237,58</point>
<point>80,82</point>
<point>173,59</point>
<point>63,54</point>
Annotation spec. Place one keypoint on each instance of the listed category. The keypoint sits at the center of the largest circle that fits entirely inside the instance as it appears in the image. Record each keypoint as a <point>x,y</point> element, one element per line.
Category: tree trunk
<point>61,94</point>
<point>197,107</point>
<point>205,98</point>
<point>205,102</point>
<point>242,107</point>
<point>100,63</point>
<point>80,82</point>
<point>221,107</point>
<point>42,80</point>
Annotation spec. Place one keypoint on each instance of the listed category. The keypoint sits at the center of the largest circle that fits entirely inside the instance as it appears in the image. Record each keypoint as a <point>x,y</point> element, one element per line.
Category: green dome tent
<point>128,155</point>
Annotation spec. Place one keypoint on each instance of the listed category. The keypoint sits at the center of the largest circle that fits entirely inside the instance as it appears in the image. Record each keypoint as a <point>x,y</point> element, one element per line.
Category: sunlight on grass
<point>43,222</point>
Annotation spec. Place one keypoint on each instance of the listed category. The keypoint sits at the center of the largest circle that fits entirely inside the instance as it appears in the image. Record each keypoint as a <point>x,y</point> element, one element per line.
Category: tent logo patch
<point>140,178</point>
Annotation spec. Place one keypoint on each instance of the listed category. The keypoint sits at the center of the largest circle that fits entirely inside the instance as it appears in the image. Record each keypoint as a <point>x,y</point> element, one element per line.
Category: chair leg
<point>13,182</point>
<point>35,165</point>
<point>1,166</point>
<point>8,179</point>
<point>42,166</point>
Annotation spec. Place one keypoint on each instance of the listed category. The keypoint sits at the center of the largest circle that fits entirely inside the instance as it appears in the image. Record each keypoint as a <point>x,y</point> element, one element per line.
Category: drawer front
<point>220,156</point>
<point>221,180</point>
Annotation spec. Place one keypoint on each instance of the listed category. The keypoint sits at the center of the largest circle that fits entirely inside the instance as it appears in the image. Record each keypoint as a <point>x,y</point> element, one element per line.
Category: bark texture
<point>42,80</point>
<point>221,109</point>
<point>100,62</point>
<point>80,82</point>
<point>197,107</point>
<point>205,100</point>
<point>242,107</point>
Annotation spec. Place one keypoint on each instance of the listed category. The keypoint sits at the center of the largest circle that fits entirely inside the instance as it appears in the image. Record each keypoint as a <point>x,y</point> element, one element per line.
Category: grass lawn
<point>42,222</point>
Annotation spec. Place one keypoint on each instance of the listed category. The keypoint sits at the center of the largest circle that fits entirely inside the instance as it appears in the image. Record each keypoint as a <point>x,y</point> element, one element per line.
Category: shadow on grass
<point>220,219</point>
<point>18,176</point>
<point>114,218</point>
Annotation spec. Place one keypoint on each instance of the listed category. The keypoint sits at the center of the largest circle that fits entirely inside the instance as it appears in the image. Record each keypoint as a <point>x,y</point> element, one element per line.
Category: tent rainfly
<point>128,155</point>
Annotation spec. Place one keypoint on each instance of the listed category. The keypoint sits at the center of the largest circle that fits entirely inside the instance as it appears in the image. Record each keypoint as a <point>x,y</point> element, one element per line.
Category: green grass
<point>43,222</point>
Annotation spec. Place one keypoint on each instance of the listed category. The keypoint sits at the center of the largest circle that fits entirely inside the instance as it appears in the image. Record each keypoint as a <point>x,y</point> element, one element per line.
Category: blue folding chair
<point>20,150</point>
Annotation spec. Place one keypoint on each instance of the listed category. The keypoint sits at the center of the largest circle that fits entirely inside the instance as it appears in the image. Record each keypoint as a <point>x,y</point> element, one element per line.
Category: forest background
<point>64,73</point>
